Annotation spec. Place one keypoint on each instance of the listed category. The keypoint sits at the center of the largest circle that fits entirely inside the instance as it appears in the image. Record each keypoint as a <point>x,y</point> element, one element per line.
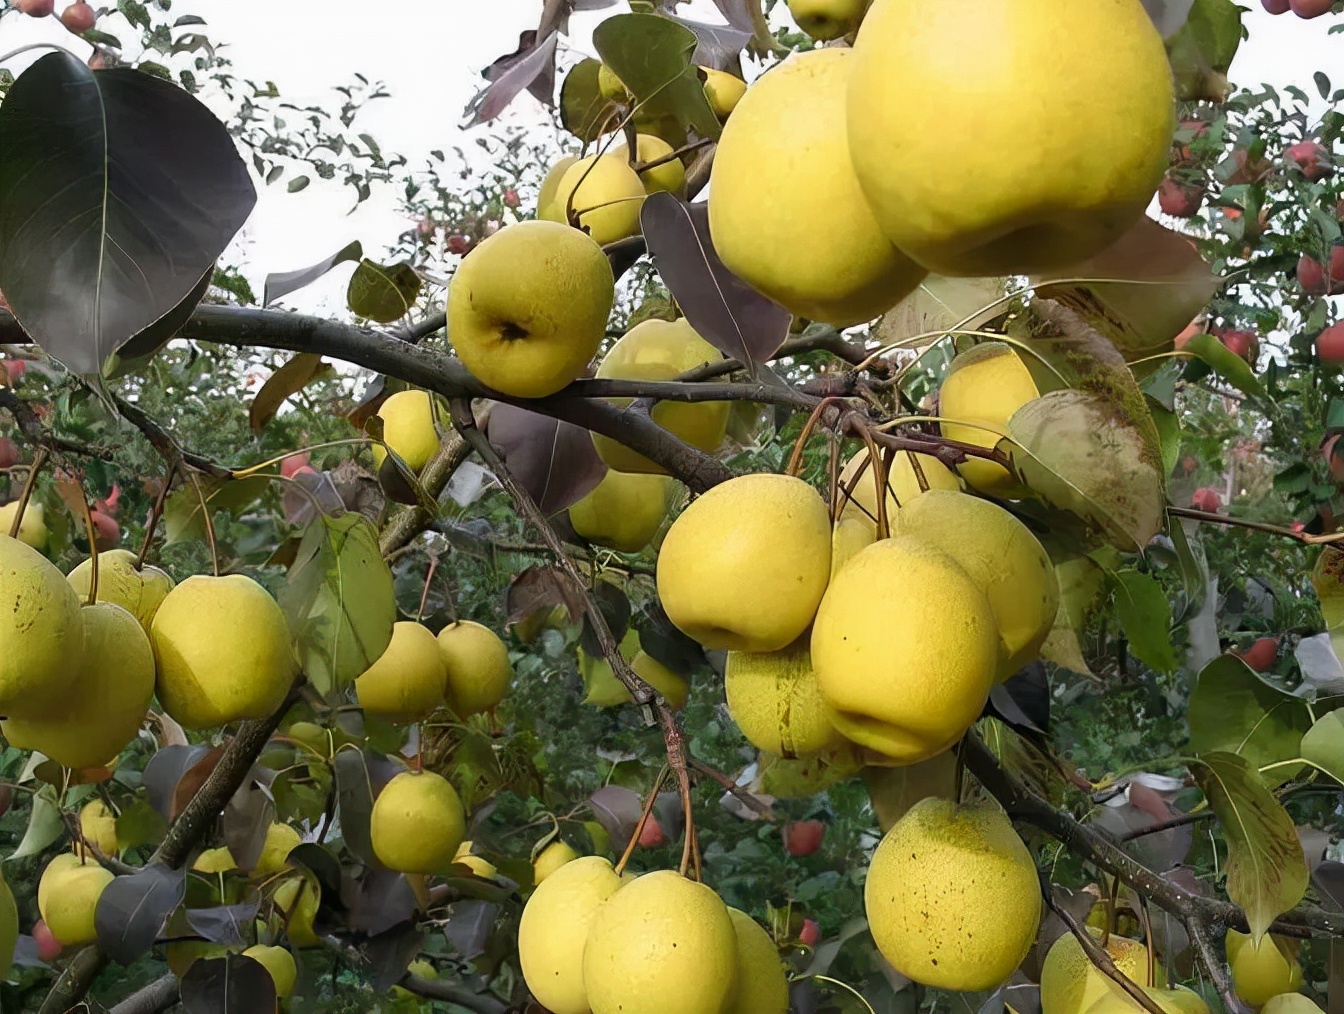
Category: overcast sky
<point>429,54</point>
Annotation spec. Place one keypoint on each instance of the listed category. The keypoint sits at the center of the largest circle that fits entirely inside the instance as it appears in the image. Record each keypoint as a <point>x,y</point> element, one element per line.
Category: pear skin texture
<point>776,702</point>
<point>663,350</point>
<point>903,484</point>
<point>552,857</point>
<point>417,823</point>
<point>661,943</point>
<point>281,840</point>
<point>280,963</point>
<point>1003,558</point>
<point>724,91</point>
<point>670,177</point>
<point>104,708</point>
<point>603,193</point>
<point>528,307</point>
<point>554,929</point>
<point>762,987</point>
<point>32,530</point>
<point>223,650</point>
<point>41,631</point>
<point>9,928</point>
<point>1264,970</point>
<point>98,826</point>
<point>745,565</point>
<point>409,679</point>
<point>1070,108</point>
<point>551,184</point>
<point>905,650</point>
<point>952,896</point>
<point>986,385</point>
<point>68,903</point>
<point>141,592</point>
<point>624,511</point>
<point>408,428</point>
<point>782,167</point>
<point>478,666</point>
<point>1291,1003</point>
<point>825,20</point>
<point>299,896</point>
<point>1070,983</point>
<point>850,535</point>
<point>1179,1000</point>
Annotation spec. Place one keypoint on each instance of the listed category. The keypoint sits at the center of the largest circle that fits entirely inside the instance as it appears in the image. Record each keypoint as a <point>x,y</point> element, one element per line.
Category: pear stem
<point>209,524</point>
<point>155,513</point>
<point>638,832</point>
<point>92,534</point>
<point>39,459</point>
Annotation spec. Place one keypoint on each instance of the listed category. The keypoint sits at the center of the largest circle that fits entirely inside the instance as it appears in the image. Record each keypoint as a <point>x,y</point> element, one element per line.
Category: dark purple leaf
<point>614,605</point>
<point>356,774</point>
<point>1023,700</point>
<point>245,821</point>
<point>25,953</point>
<point>617,809</point>
<point>554,461</point>
<point>165,771</point>
<point>223,924</point>
<point>118,192</point>
<point>716,46</point>
<point>1329,880</point>
<point>671,816</point>
<point>724,310</point>
<point>532,65</point>
<point>316,493</point>
<point>377,900</point>
<point>133,908</point>
<point>469,926</point>
<point>282,283</point>
<point>321,863</point>
<point>233,984</point>
<point>538,590</point>
<point>144,346</point>
<point>666,644</point>
<point>390,952</point>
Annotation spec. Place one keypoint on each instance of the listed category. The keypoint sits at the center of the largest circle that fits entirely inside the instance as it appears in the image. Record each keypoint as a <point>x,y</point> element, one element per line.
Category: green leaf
<point>339,600</point>
<point>583,110</point>
<point>1192,567</point>
<point>652,57</point>
<point>1226,363</point>
<point>1266,870</point>
<point>44,824</point>
<point>1080,582</point>
<point>1232,710</point>
<point>1323,744</point>
<point>1145,616</point>
<point>1201,52</point>
<point>302,369</point>
<point>1327,578</point>
<point>183,519</point>
<point>382,292</point>
<point>1168,425</point>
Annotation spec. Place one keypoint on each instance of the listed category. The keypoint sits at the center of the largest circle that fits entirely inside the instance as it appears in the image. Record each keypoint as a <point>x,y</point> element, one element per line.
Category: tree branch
<point>1216,968</point>
<point>158,996</point>
<point>409,523</point>
<point>440,989</point>
<point>74,981</point>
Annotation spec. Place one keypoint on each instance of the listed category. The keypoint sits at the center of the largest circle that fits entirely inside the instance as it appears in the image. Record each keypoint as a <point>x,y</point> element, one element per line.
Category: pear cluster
<point>591,940</point>
<point>465,667</point>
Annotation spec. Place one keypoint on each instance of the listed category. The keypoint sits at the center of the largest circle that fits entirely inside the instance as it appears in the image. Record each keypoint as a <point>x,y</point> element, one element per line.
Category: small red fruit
<point>1261,654</point>
<point>9,453</point>
<point>1297,526</point>
<point>1330,345</point>
<point>810,934</point>
<point>458,246</point>
<point>35,8</point>
<point>1241,343</point>
<point>1311,276</point>
<point>294,462</point>
<point>112,503</point>
<point>1310,8</point>
<point>106,531</point>
<point>1206,499</point>
<point>1312,157</point>
<point>48,947</point>
<point>1275,6</point>
<point>803,837</point>
<point>511,198</point>
<point>652,836</point>
<point>79,17</point>
<point>1180,200</point>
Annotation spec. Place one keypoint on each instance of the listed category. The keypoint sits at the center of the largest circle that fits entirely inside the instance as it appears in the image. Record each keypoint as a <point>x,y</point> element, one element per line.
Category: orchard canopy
<point>831,506</point>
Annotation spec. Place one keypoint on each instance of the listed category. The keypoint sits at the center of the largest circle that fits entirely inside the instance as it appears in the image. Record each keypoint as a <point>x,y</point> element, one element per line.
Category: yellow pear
<point>1067,110</point>
<point>528,307</point>
<point>624,511</point>
<point>41,634</point>
<point>745,565</point>
<point>670,177</point>
<point>408,428</point>
<point>479,865</point>
<point>67,905</point>
<point>723,90</point>
<point>417,823</point>
<point>223,650</point>
<point>850,535</point>
<point>1002,557</point>
<point>279,962</point>
<point>603,194</point>
<point>478,666</point>
<point>825,20</point>
<point>141,591</point>
<point>9,928</point>
<point>661,943</point>
<point>1179,1000</point>
<point>53,872</point>
<point>554,930</point>
<point>904,483</point>
<point>984,385</point>
<point>551,184</point>
<point>98,827</point>
<point>409,678</point>
<point>663,350</point>
<point>281,840</point>
<point>609,85</point>
<point>1290,1003</point>
<point>1263,970</point>
<point>550,859</point>
<point>217,860</point>
<point>905,649</point>
<point>952,896</point>
<point>762,987</point>
<point>776,702</point>
<point>104,708</point>
<point>32,529</point>
<point>1071,984</point>
<point>601,686</point>
<point>786,211</point>
<point>299,897</point>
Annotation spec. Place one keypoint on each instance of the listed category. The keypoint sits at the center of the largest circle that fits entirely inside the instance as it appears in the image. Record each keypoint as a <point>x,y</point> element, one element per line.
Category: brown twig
<point>1214,966</point>
<point>1181,820</point>
<point>74,981</point>
<point>1211,518</point>
<point>733,788</point>
<point>158,996</point>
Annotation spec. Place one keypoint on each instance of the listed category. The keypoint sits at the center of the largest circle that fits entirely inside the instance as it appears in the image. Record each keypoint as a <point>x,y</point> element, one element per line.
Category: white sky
<point>429,54</point>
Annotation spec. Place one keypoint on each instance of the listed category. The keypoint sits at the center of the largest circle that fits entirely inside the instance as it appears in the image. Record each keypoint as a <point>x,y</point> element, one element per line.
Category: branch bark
<point>409,523</point>
<point>439,989</point>
<point>158,996</point>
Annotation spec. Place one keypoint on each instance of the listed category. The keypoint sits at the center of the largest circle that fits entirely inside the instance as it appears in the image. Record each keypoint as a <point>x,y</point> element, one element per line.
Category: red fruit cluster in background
<point>79,17</point>
<point>1330,345</point>
<point>652,836</point>
<point>1241,342</point>
<point>9,453</point>
<point>810,934</point>
<point>1206,499</point>
<point>1311,274</point>
<point>35,8</point>
<point>803,837</point>
<point>1261,654</point>
<point>1302,8</point>
<point>1313,158</point>
<point>295,462</point>
<point>1180,200</point>
<point>12,371</point>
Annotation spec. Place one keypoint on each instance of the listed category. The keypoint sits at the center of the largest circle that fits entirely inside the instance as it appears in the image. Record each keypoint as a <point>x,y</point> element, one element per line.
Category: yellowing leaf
<point>1232,710</point>
<point>1327,578</point>
<point>1323,744</point>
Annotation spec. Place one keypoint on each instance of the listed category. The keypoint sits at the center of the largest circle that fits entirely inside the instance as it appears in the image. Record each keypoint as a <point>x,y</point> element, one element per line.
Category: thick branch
<point>1214,966</point>
<point>409,523</point>
<point>441,989</point>
<point>158,996</point>
<point>74,981</point>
